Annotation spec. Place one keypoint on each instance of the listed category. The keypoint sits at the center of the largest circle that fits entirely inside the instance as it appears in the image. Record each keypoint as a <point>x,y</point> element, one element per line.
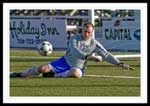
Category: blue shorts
<point>60,65</point>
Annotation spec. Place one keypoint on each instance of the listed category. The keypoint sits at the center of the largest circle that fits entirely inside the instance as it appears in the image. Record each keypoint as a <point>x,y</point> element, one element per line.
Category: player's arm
<point>94,58</point>
<point>75,50</point>
<point>109,57</point>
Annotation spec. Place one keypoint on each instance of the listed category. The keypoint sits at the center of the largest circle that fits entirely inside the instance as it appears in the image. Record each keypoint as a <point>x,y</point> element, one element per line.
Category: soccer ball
<point>45,48</point>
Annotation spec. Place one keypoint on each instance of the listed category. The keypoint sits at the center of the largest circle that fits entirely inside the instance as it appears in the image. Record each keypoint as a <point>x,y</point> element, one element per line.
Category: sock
<point>30,72</point>
<point>62,75</point>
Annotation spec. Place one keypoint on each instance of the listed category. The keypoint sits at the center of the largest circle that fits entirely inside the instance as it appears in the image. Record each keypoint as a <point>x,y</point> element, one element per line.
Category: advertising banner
<point>27,33</point>
<point>119,33</point>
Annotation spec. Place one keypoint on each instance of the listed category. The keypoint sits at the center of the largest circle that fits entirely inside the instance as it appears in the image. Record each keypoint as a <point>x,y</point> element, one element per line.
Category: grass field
<point>103,84</point>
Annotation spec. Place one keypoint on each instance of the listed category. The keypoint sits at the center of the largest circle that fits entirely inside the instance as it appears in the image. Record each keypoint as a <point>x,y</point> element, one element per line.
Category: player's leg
<point>36,70</point>
<point>46,68</point>
<point>58,67</point>
<point>62,69</point>
<point>72,73</point>
<point>75,72</point>
<point>51,68</point>
<point>29,72</point>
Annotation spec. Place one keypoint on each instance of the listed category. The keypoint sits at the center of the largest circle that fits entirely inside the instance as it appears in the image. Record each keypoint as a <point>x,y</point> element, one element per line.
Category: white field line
<point>124,56</point>
<point>33,57</point>
<point>118,56</point>
<point>128,56</point>
<point>107,76</point>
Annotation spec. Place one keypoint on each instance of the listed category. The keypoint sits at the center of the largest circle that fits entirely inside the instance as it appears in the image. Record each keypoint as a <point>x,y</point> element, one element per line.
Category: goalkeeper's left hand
<point>95,58</point>
<point>126,66</point>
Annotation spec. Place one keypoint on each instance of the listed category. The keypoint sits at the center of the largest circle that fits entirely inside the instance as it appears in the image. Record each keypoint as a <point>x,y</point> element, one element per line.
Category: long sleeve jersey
<point>78,49</point>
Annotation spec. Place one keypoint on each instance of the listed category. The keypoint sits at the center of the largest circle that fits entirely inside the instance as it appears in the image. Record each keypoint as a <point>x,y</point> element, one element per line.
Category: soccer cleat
<point>13,75</point>
<point>48,75</point>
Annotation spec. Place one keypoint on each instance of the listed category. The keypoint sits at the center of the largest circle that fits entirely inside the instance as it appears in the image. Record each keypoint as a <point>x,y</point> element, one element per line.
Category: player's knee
<point>76,73</point>
<point>44,68</point>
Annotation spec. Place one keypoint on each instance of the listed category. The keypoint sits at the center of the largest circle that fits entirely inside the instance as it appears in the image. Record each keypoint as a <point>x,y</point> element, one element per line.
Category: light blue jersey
<point>79,49</point>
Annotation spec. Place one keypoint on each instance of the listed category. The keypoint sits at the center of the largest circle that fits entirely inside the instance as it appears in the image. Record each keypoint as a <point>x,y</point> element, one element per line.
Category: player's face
<point>87,32</point>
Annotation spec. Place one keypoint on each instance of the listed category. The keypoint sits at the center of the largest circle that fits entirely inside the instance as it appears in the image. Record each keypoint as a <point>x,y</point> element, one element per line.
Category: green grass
<point>85,86</point>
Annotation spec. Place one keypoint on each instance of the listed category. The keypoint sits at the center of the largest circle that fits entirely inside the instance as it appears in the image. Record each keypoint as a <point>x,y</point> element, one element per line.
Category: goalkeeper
<point>72,64</point>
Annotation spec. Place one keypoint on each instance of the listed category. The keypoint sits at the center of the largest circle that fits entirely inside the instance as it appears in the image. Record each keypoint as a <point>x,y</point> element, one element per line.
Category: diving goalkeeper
<point>72,64</point>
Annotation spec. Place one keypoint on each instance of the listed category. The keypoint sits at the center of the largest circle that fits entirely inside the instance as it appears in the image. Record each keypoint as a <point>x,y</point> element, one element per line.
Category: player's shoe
<point>15,75</point>
<point>48,74</point>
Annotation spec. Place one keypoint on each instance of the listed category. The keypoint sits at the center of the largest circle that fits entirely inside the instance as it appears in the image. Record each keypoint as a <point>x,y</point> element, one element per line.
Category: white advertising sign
<point>120,34</point>
<point>28,32</point>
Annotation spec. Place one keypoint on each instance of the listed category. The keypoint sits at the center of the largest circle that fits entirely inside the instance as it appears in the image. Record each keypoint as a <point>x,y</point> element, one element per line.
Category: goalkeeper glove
<point>126,66</point>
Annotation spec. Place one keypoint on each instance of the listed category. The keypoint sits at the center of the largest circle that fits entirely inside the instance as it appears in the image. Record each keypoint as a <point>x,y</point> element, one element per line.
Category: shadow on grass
<point>41,86</point>
<point>106,65</point>
<point>76,85</point>
<point>29,60</point>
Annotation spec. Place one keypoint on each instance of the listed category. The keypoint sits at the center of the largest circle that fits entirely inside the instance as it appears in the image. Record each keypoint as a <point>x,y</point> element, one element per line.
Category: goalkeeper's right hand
<point>126,66</point>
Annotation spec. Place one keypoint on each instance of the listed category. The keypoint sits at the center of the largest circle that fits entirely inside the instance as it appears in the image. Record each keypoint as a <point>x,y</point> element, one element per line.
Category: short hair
<point>88,24</point>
